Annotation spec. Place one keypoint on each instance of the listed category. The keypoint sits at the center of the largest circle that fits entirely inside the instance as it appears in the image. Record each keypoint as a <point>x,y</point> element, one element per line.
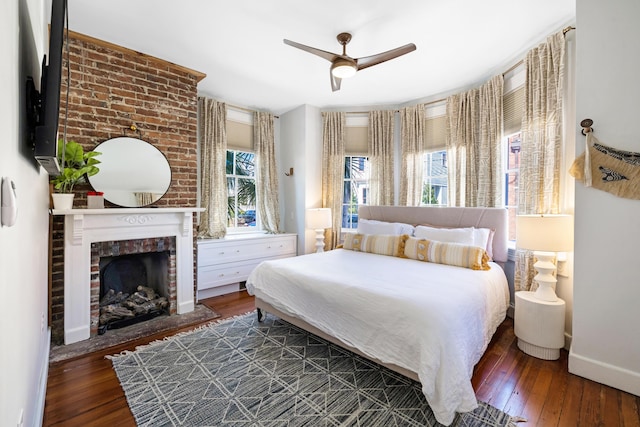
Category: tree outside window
<point>241,187</point>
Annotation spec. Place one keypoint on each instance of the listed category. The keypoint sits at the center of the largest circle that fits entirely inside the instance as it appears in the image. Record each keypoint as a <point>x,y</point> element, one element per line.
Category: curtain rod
<point>248,110</point>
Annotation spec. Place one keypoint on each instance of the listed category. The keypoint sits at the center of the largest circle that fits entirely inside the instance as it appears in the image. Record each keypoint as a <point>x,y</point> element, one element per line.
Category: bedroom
<point>603,318</point>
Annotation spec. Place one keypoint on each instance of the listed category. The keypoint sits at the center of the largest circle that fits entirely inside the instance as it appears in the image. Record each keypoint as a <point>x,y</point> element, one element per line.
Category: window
<point>435,179</point>
<point>241,187</point>
<point>512,176</point>
<point>356,189</point>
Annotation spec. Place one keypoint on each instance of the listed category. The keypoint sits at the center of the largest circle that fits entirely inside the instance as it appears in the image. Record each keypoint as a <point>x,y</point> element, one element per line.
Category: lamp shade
<point>546,233</point>
<point>318,218</point>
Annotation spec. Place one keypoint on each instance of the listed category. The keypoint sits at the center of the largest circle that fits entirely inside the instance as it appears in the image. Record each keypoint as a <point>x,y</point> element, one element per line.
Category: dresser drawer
<point>210,277</point>
<point>232,251</point>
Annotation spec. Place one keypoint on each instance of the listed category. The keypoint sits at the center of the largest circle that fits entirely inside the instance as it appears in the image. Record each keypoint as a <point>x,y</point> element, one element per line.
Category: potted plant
<point>76,166</point>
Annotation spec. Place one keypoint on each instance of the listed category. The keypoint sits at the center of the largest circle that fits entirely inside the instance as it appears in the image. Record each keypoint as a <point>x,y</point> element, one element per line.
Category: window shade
<point>239,136</point>
<point>513,108</point>
<point>435,133</point>
<point>356,138</point>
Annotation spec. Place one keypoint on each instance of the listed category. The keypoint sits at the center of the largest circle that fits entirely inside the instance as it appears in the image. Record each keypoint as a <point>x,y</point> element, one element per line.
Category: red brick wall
<point>112,88</point>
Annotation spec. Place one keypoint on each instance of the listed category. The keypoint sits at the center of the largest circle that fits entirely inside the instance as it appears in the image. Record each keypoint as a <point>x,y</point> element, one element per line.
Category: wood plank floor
<point>85,391</point>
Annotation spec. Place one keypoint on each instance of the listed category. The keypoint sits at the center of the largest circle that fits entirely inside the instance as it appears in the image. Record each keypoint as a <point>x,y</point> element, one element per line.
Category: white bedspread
<point>435,320</point>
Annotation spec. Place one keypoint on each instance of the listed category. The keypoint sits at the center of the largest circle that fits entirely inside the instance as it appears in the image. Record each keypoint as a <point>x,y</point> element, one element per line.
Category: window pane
<point>435,180</point>
<point>229,166</point>
<point>231,203</point>
<point>241,186</point>
<point>244,164</point>
<point>512,188</point>
<point>355,190</point>
<point>514,151</point>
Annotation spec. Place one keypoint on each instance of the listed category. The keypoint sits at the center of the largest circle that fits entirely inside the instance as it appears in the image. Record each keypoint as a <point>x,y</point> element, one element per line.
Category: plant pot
<point>62,201</point>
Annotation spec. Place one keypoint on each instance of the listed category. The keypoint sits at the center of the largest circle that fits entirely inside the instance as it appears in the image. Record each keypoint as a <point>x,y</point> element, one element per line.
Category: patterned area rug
<point>240,372</point>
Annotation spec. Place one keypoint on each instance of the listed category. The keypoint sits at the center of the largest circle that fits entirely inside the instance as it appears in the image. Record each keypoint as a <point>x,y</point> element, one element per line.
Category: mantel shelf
<point>120,211</point>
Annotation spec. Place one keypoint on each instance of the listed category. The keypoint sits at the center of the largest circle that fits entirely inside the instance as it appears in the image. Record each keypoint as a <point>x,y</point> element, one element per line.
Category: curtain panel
<point>412,130</point>
<point>212,127</point>
<point>542,142</point>
<point>266,173</point>
<point>381,148</point>
<point>474,146</point>
<point>333,136</point>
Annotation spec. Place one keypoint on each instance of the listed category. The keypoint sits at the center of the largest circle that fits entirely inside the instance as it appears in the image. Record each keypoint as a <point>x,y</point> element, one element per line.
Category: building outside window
<point>241,187</point>
<point>435,179</point>
<point>356,189</point>
<point>512,176</point>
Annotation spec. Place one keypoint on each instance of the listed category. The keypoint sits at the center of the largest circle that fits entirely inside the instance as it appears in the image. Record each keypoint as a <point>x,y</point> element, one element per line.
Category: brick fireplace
<point>88,232</point>
<point>136,248</point>
<point>111,88</point>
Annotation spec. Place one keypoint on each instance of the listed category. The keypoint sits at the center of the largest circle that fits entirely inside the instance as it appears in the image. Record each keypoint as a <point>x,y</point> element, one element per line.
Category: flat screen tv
<point>45,106</point>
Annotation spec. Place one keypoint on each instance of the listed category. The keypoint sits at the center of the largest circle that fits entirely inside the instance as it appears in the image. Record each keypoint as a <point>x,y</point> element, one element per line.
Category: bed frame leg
<point>261,314</point>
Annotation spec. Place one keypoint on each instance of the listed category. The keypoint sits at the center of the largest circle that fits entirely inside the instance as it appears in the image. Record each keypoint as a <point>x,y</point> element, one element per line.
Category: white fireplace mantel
<point>85,226</point>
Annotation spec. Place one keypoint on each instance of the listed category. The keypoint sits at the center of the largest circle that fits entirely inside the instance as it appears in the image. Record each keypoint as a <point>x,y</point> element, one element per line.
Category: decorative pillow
<point>456,254</point>
<point>463,236</point>
<point>369,226</point>
<point>381,244</point>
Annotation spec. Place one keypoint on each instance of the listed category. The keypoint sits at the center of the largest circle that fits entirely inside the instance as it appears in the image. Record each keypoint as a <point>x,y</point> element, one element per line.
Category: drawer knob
<point>221,275</point>
<point>221,253</point>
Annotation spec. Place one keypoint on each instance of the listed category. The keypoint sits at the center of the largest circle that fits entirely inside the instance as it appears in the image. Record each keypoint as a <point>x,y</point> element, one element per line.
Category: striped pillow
<point>455,254</point>
<point>381,244</point>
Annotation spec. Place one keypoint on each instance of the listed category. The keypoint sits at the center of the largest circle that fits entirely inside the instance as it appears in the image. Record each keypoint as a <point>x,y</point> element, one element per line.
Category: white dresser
<point>223,263</point>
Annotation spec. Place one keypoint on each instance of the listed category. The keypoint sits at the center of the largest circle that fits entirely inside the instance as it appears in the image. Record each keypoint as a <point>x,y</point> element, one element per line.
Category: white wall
<point>23,247</point>
<point>301,149</point>
<point>606,342</point>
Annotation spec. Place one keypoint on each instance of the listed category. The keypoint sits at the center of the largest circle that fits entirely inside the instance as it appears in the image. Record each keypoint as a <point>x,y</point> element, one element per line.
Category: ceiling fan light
<point>343,69</point>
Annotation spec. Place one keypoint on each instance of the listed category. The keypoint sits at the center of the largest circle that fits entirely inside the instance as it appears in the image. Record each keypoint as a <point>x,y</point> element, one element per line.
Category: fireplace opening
<point>133,288</point>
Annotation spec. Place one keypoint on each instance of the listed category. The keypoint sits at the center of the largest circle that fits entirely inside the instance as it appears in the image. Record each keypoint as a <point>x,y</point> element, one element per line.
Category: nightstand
<point>539,326</point>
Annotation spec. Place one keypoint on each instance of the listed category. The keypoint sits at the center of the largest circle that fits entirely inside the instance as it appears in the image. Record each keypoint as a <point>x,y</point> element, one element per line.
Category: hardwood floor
<point>85,391</point>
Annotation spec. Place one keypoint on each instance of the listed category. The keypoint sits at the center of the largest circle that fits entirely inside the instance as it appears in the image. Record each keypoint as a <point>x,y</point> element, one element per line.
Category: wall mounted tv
<point>44,106</point>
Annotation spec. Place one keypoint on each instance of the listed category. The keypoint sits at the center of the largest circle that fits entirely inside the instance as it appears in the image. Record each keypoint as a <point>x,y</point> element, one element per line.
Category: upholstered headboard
<point>492,218</point>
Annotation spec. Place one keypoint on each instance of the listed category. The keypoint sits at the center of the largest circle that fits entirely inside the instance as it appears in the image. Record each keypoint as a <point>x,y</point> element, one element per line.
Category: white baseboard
<point>42,380</point>
<point>605,373</point>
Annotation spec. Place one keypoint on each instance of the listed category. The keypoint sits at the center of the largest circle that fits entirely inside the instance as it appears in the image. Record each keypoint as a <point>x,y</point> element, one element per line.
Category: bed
<point>428,321</point>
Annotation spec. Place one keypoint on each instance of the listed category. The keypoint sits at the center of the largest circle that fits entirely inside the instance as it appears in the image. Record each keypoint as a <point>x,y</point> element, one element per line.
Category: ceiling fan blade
<point>319,52</point>
<point>368,61</point>
<point>335,82</point>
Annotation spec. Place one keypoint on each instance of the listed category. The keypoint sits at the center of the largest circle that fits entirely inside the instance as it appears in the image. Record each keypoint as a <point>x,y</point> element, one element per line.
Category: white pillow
<point>369,226</point>
<point>463,236</point>
<point>481,237</point>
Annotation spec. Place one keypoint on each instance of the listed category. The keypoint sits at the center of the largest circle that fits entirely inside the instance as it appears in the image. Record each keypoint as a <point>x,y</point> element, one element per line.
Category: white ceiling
<point>238,44</point>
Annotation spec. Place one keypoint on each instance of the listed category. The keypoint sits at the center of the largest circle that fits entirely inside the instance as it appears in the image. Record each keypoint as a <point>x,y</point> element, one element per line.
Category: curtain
<point>381,157</point>
<point>333,135</point>
<point>266,173</point>
<point>412,122</point>
<point>212,126</point>
<point>541,146</point>
<point>474,121</point>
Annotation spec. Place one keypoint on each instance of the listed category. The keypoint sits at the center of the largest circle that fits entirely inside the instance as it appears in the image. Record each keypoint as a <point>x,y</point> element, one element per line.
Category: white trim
<point>44,375</point>
<point>604,373</point>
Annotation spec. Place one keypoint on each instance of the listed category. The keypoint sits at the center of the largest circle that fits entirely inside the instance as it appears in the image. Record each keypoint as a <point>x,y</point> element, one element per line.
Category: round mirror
<point>133,173</point>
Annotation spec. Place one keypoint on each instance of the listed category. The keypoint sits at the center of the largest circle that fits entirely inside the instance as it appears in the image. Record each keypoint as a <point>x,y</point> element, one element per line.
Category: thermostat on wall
<point>8,203</point>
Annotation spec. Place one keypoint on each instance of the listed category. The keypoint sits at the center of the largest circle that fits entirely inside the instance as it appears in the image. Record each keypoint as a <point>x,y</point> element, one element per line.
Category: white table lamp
<point>319,219</point>
<point>545,235</point>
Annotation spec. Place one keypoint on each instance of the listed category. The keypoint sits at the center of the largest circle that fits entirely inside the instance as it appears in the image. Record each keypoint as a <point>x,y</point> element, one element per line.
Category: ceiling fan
<point>343,66</point>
